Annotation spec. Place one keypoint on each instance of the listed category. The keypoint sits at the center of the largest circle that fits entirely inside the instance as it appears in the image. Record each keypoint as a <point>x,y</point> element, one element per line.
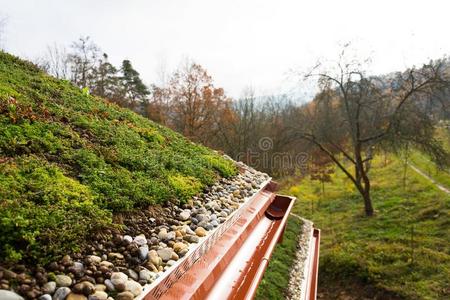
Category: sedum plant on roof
<point>69,161</point>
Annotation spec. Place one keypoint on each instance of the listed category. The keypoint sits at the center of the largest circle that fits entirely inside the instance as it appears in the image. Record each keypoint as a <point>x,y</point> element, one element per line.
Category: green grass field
<point>426,165</point>
<point>421,161</point>
<point>403,251</point>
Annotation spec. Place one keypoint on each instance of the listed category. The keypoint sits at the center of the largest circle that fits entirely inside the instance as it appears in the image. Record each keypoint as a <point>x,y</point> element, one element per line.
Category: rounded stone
<point>100,287</point>
<point>49,287</point>
<point>73,296</point>
<point>120,287</point>
<point>125,296</point>
<point>78,267</point>
<point>154,259</point>
<point>185,215</point>
<point>143,252</point>
<point>162,235</point>
<point>61,293</point>
<point>45,297</point>
<point>170,263</point>
<point>191,238</point>
<point>140,240</point>
<point>179,246</point>
<point>114,255</point>
<point>106,264</point>
<point>127,239</point>
<point>98,295</point>
<point>188,230</point>
<point>63,280</point>
<point>8,274</point>
<point>146,275</point>
<point>165,253</point>
<point>66,260</point>
<point>154,240</point>
<point>109,285</point>
<point>151,266</point>
<point>94,259</point>
<point>134,287</point>
<point>133,275</point>
<point>171,236</point>
<point>183,252</point>
<point>118,278</point>
<point>202,217</point>
<point>174,256</point>
<point>9,295</point>
<point>84,287</point>
<point>200,231</point>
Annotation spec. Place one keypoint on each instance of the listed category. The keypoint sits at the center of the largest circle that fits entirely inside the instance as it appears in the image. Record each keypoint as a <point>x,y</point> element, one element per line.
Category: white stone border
<point>298,275</point>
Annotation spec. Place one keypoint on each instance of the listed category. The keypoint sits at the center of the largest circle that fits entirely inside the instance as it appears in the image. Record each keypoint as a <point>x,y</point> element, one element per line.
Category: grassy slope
<point>69,160</point>
<point>403,250</point>
<point>424,163</point>
<point>275,282</point>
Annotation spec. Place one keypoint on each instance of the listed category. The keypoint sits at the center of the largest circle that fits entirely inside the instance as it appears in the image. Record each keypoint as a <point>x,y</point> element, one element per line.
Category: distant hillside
<point>69,160</point>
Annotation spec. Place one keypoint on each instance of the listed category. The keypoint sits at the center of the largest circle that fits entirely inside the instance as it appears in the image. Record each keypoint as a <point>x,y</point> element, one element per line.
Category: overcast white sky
<point>240,42</point>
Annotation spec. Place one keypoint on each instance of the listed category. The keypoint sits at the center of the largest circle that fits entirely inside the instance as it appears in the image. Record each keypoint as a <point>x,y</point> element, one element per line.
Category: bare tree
<point>162,71</point>
<point>55,61</point>
<point>244,127</point>
<point>83,59</point>
<point>355,115</point>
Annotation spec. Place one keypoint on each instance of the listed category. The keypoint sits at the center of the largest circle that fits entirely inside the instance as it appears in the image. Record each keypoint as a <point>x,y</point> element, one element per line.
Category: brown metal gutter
<point>230,263</point>
<point>313,265</point>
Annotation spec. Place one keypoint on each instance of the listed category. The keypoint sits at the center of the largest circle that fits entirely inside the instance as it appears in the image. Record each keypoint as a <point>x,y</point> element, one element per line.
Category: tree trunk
<point>363,181</point>
<point>368,208</point>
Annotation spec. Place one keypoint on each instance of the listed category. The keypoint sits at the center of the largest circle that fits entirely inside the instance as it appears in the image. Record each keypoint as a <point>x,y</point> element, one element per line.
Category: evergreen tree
<point>106,79</point>
<point>133,89</point>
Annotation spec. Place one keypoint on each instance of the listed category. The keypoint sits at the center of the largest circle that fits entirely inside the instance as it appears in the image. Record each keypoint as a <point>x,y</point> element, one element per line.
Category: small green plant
<point>185,186</point>
<point>225,167</point>
<point>44,213</point>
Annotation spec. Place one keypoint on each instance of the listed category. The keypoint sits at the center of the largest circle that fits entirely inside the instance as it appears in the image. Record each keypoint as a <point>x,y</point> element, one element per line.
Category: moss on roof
<point>69,160</point>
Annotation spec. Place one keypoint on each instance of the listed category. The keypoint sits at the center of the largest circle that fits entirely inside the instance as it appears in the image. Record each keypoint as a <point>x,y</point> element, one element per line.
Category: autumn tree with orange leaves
<point>191,104</point>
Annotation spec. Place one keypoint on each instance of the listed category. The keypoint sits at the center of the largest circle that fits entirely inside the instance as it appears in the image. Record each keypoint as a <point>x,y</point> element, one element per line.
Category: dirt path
<point>420,172</point>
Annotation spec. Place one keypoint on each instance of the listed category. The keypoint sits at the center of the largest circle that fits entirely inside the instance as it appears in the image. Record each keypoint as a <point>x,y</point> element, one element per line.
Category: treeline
<point>352,117</point>
<point>249,129</point>
<point>88,68</point>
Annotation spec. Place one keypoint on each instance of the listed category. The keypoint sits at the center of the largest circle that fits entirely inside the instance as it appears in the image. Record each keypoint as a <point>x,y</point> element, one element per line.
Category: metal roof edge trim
<point>268,184</point>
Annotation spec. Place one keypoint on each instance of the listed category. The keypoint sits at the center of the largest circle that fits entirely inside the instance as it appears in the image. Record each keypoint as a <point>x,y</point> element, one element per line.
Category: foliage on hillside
<point>69,160</point>
<point>402,250</point>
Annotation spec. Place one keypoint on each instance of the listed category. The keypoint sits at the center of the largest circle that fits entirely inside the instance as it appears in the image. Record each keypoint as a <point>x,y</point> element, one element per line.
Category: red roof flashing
<point>230,263</point>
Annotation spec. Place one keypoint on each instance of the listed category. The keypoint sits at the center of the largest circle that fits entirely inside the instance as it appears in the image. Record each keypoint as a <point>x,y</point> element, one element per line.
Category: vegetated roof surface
<point>69,161</point>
